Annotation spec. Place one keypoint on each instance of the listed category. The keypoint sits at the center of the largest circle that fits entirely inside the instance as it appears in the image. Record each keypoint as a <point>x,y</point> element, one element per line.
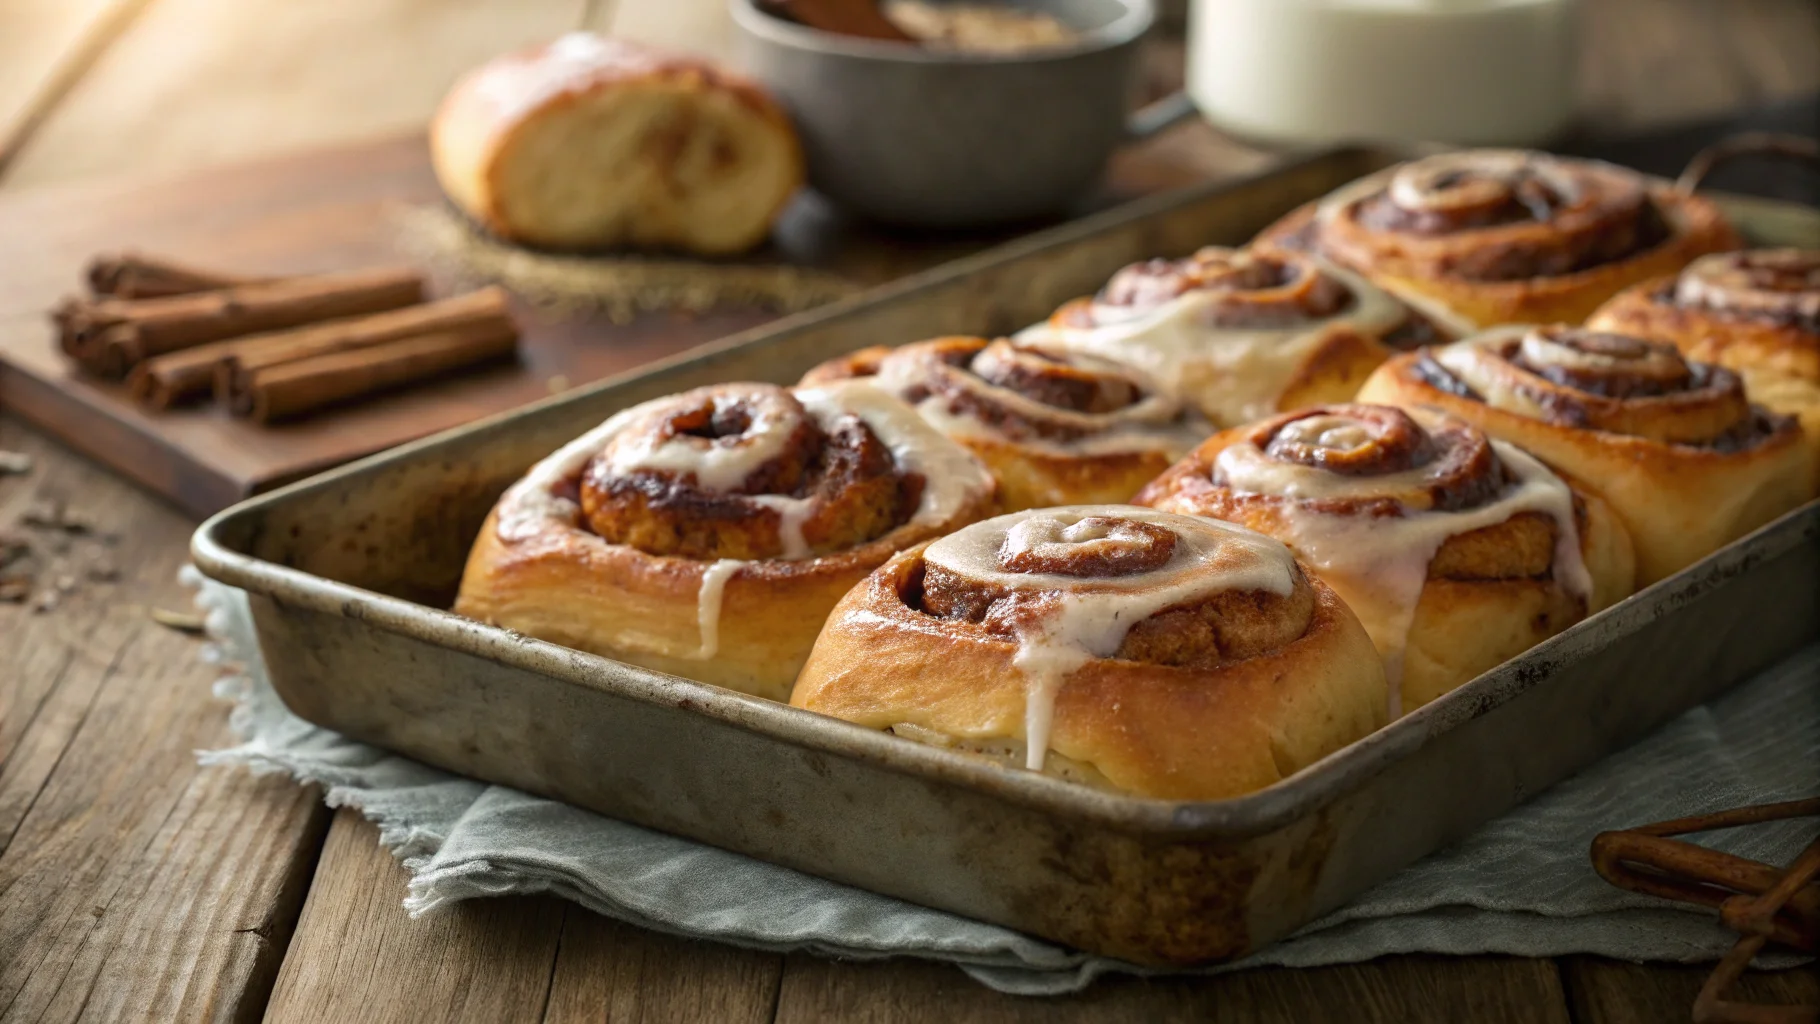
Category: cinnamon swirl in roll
<point>1238,333</point>
<point>1121,647</point>
<point>1756,312</point>
<point>1674,447</point>
<point>1456,551</point>
<point>1495,236</point>
<point>707,534</point>
<point>1055,428</point>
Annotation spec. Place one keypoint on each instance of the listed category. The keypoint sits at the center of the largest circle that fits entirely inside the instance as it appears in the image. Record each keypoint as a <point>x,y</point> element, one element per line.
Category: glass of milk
<point>1469,72</point>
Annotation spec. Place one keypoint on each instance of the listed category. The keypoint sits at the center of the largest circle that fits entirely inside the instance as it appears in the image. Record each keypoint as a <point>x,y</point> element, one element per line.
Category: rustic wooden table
<point>134,884</point>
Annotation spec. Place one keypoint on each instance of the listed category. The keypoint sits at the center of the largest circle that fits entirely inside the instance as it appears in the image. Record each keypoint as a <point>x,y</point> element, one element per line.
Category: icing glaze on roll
<point>1071,583</point>
<point>1038,397</point>
<point>1371,527</point>
<point>1492,215</point>
<point>1229,329</point>
<point>1602,381</point>
<point>784,475</point>
<point>1781,285</point>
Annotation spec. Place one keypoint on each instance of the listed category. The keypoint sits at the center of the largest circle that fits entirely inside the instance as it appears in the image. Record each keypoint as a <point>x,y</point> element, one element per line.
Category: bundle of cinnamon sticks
<point>273,348</point>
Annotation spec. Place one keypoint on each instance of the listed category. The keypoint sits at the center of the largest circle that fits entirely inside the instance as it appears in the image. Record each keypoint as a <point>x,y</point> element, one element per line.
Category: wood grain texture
<point>45,46</point>
<point>612,973</point>
<point>1646,63</point>
<point>201,81</point>
<point>1614,992</point>
<point>133,884</point>
<point>356,956</point>
<point>1485,990</point>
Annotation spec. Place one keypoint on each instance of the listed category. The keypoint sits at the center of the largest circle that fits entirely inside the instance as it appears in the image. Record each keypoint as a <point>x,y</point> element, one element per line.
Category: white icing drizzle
<point>1471,359</point>
<point>718,464</point>
<point>953,477</point>
<point>1155,422</point>
<point>708,601</point>
<point>1235,374</point>
<point>532,503</point>
<point>1082,618</point>
<point>791,512</point>
<point>1379,564</point>
<point>1723,282</point>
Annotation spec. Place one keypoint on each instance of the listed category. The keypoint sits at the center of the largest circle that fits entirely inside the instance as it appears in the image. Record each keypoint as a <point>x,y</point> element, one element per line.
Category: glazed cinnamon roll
<point>1055,428</point>
<point>707,534</point>
<point>1239,334</point>
<point>1120,647</point>
<point>1756,312</point>
<point>1457,552</point>
<point>1674,447</point>
<point>1494,236</point>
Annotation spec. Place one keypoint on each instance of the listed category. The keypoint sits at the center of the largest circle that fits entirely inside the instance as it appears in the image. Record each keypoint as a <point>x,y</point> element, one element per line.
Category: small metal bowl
<point>940,139</point>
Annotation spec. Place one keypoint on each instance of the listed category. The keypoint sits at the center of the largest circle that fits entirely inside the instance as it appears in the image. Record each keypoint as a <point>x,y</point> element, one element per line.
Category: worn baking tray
<point>350,572</point>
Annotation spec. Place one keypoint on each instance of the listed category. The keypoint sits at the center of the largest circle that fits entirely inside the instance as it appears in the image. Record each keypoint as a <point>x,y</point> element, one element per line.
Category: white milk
<point>1472,72</point>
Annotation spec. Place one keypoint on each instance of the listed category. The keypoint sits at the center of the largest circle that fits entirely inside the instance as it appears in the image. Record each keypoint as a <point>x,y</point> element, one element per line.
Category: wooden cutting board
<point>322,210</point>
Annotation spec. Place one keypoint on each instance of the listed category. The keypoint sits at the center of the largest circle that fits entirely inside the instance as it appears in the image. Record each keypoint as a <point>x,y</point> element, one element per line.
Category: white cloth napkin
<point>1521,885</point>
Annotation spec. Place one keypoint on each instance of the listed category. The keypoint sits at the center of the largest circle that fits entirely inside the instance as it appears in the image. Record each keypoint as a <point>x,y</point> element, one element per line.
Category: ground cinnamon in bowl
<point>978,28</point>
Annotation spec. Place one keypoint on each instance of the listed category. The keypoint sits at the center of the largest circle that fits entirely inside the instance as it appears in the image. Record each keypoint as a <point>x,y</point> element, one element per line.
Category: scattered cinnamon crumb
<point>13,549</point>
<point>182,622</point>
<point>15,589</point>
<point>57,515</point>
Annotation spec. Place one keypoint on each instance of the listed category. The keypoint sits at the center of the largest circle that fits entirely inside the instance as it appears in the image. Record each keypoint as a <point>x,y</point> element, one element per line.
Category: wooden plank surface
<point>487,960</point>
<point>1417,990</point>
<point>45,47</point>
<point>135,886</point>
<point>1613,992</point>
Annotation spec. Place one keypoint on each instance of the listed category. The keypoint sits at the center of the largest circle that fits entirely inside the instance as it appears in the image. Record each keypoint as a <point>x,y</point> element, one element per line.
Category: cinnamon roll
<point>1456,551</point>
<point>707,534</point>
<point>1756,313</point>
<point>1674,447</point>
<point>1240,334</point>
<point>1120,647</point>
<point>1055,428</point>
<point>1496,236</point>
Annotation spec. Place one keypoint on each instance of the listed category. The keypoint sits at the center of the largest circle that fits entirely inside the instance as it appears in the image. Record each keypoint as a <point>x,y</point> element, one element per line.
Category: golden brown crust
<point>1054,428</point>
<point>1678,501</point>
<point>1769,335</point>
<point>1491,237</point>
<point>1490,591</point>
<point>539,568</point>
<point>505,135</point>
<point>1155,730</point>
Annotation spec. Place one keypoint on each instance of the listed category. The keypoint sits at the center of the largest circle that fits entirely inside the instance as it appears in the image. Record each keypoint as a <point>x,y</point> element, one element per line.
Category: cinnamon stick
<point>224,367</point>
<point>135,275</point>
<point>110,336</point>
<point>292,389</point>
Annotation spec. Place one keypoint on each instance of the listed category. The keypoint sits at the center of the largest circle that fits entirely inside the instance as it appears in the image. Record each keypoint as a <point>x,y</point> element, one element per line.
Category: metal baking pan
<point>350,572</point>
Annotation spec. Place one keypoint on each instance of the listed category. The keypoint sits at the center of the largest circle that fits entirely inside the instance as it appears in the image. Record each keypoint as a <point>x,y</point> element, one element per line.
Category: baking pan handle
<point>1157,115</point>
<point>1772,144</point>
